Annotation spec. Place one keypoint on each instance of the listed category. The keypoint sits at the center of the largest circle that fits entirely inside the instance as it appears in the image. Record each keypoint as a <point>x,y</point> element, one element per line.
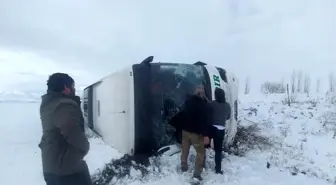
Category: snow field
<point>298,147</point>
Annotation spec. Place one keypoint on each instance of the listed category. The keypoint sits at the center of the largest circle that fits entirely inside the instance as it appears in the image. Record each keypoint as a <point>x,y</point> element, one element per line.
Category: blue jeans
<point>218,139</point>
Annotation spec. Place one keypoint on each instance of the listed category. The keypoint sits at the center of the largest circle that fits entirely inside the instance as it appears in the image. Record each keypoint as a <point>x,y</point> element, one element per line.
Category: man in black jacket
<point>194,130</point>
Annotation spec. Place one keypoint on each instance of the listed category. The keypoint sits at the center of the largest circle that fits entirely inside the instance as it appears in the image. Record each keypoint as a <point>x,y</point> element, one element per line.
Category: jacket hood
<point>220,95</point>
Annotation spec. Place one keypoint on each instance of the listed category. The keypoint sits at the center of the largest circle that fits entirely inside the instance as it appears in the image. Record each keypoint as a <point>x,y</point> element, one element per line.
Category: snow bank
<point>298,148</point>
<point>285,145</point>
<point>20,133</point>
<point>303,135</point>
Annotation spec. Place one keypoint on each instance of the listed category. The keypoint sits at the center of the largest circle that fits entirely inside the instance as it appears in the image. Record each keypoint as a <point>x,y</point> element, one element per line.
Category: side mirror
<point>148,60</point>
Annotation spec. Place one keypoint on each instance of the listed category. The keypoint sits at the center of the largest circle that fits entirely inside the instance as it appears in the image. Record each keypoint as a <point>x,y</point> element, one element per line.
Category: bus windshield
<point>171,84</point>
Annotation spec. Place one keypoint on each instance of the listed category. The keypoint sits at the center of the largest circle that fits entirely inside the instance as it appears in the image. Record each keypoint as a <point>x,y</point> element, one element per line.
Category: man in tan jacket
<point>63,143</point>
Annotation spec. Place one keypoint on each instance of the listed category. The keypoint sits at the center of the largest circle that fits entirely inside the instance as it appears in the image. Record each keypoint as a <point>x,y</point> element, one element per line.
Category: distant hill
<point>22,96</point>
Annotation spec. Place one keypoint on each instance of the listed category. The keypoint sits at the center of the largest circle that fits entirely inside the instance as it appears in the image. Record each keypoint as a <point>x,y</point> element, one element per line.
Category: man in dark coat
<point>63,144</point>
<point>194,130</point>
<point>220,112</point>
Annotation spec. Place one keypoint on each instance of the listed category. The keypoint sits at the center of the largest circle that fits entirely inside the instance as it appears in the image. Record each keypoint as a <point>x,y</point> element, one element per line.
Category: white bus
<point>130,109</point>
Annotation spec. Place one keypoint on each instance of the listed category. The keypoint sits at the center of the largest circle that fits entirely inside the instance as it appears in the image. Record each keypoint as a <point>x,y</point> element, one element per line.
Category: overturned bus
<point>131,108</point>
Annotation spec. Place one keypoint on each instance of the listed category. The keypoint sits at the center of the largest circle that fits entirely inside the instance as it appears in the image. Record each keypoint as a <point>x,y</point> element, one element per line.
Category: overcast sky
<point>263,39</point>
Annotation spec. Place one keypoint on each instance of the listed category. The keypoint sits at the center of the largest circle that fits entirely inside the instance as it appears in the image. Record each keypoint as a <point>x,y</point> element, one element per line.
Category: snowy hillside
<point>24,96</point>
<point>276,144</point>
<point>18,96</point>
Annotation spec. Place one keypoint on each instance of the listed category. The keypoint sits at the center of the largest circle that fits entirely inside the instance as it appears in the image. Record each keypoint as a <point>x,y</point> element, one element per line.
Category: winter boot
<point>219,172</point>
<point>184,167</point>
<point>198,177</point>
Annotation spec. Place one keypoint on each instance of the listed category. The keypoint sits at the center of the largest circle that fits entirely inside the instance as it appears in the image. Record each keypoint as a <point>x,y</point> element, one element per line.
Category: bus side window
<point>85,108</point>
<point>98,105</point>
<point>222,74</point>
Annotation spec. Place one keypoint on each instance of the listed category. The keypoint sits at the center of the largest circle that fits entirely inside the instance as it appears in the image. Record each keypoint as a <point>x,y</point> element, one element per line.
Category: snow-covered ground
<point>20,156</point>
<point>301,149</point>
